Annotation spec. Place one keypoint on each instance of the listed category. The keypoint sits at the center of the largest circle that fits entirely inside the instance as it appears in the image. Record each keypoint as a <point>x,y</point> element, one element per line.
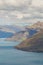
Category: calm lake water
<point>11,56</point>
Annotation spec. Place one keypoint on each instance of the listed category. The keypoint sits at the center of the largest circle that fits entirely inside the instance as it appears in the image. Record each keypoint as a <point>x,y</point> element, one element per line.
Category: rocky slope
<point>33,44</point>
<point>38,26</point>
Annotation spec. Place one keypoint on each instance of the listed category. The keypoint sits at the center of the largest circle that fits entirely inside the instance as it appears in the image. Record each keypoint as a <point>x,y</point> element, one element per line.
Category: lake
<point>11,56</point>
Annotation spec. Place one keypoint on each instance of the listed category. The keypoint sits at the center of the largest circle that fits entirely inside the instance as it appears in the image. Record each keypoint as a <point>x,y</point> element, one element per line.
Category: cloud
<point>37,3</point>
<point>21,10</point>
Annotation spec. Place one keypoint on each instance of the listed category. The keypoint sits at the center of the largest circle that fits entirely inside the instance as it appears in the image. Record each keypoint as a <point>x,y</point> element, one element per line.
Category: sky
<point>20,12</point>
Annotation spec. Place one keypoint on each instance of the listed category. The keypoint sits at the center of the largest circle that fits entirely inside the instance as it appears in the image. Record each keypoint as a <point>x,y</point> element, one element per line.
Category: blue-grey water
<point>11,56</point>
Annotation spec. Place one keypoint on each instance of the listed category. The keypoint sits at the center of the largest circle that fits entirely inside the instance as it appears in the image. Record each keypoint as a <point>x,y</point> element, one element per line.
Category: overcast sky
<point>21,11</point>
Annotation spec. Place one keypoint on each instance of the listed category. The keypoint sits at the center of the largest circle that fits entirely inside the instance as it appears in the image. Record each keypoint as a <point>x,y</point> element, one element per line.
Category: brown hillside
<point>34,44</point>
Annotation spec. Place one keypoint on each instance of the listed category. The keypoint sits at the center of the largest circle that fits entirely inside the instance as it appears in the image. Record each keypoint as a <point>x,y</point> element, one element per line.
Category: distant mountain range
<point>4,34</point>
<point>34,43</point>
<point>28,32</point>
<point>22,35</point>
<point>7,31</point>
<point>18,33</point>
<point>11,28</point>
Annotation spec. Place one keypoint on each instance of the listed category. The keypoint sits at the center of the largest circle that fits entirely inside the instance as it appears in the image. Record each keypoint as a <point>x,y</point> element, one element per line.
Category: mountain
<point>37,26</point>
<point>7,31</point>
<point>14,28</point>
<point>11,28</point>
<point>27,32</point>
<point>4,34</point>
<point>22,35</point>
<point>33,44</point>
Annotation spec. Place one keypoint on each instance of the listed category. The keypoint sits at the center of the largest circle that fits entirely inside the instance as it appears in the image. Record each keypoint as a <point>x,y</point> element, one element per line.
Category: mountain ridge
<point>33,44</point>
